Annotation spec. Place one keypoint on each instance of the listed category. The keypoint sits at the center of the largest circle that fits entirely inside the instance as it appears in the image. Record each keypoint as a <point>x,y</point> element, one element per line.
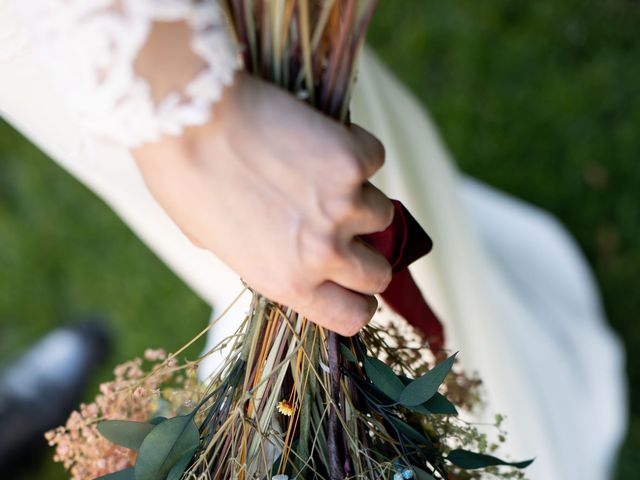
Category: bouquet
<point>293,400</point>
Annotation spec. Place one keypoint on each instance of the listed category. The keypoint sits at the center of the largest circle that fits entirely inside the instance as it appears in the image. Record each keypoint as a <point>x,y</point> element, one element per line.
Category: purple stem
<point>335,465</point>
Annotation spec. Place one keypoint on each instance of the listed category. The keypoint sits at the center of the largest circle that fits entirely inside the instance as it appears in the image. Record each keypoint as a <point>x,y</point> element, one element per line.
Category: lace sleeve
<point>90,48</point>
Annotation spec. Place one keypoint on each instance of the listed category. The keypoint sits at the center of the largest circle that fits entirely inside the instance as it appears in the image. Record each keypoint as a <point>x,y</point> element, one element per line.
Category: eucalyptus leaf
<point>423,388</point>
<point>179,468</point>
<point>383,377</point>
<point>126,474</point>
<point>421,409</point>
<point>157,420</point>
<point>421,474</point>
<point>439,404</point>
<point>408,431</point>
<point>347,354</point>
<point>471,460</point>
<point>124,433</point>
<point>165,446</point>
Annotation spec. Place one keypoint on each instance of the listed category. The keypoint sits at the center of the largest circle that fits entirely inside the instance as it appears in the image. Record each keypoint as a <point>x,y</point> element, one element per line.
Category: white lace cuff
<point>91,46</point>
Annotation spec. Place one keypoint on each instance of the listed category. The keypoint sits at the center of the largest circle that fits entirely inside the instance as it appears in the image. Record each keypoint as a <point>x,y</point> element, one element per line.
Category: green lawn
<point>540,99</point>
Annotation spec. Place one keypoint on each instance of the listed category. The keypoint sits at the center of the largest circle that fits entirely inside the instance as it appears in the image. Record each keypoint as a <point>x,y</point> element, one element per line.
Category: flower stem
<point>335,465</point>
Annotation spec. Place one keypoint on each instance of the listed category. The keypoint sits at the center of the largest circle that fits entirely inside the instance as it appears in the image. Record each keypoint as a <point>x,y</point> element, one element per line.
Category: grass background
<point>540,99</point>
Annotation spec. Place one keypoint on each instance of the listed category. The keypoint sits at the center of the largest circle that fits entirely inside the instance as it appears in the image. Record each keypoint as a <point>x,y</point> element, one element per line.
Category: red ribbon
<point>402,243</point>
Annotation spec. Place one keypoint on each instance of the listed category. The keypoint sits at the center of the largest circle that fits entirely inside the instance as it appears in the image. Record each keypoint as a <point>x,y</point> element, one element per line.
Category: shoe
<point>43,386</point>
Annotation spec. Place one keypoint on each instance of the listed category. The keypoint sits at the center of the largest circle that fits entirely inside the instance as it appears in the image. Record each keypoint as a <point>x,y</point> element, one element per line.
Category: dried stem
<point>335,463</point>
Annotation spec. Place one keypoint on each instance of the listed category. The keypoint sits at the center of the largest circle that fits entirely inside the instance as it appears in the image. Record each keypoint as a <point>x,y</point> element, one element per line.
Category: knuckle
<point>295,292</point>
<point>328,252</point>
<point>375,282</point>
<point>378,218</point>
<point>360,318</point>
<point>350,168</point>
<point>385,279</point>
<point>374,148</point>
<point>373,273</point>
<point>380,152</point>
<point>348,326</point>
<point>349,330</point>
<point>379,212</point>
<point>321,251</point>
<point>376,158</point>
<point>388,215</point>
<point>342,209</point>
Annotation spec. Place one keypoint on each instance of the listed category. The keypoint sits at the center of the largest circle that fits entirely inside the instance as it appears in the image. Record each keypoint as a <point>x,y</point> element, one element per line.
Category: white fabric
<point>559,343</point>
<point>91,47</point>
<point>516,298</point>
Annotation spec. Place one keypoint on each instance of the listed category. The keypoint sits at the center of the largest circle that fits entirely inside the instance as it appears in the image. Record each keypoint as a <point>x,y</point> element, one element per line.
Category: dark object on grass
<point>42,386</point>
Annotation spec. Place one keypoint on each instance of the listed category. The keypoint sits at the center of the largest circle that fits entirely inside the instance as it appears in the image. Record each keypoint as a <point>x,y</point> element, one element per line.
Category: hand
<point>279,192</point>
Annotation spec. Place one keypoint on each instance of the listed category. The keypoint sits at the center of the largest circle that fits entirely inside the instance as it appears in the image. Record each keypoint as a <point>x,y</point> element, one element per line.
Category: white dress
<point>516,297</point>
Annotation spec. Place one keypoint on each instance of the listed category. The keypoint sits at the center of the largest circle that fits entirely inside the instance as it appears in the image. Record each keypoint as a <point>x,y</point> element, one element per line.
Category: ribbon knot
<point>402,243</point>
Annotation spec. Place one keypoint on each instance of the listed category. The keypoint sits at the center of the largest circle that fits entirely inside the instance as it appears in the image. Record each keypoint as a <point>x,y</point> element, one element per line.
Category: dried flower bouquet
<point>291,400</point>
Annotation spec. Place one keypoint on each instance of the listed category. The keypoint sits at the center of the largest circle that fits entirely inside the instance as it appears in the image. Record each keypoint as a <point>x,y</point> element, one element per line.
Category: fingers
<point>339,309</point>
<point>370,151</point>
<point>375,212</point>
<point>363,269</point>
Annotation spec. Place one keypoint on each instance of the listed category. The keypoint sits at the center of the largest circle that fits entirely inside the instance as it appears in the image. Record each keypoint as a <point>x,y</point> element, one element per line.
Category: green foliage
<point>422,475</point>
<point>408,431</point>
<point>422,389</point>
<point>126,474</point>
<point>166,446</point>
<point>168,449</point>
<point>439,404</point>
<point>124,433</point>
<point>181,465</point>
<point>471,460</point>
<point>347,354</point>
<point>419,395</point>
<point>157,420</point>
<point>384,378</point>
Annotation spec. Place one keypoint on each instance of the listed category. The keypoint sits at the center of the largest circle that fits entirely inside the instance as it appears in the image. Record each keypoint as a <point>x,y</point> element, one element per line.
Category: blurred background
<point>539,99</point>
